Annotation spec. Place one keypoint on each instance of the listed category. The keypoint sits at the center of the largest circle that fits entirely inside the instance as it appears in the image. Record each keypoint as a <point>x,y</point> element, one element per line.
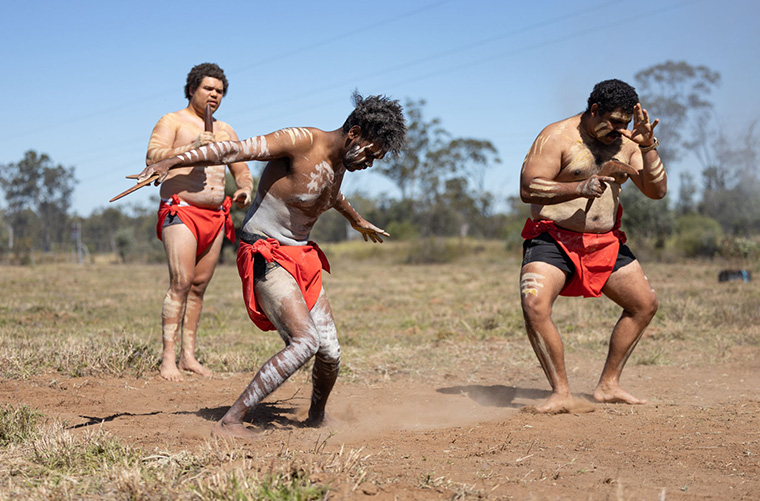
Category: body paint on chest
<point>321,177</point>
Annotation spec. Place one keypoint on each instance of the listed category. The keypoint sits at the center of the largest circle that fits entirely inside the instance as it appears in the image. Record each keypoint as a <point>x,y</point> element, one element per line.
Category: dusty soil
<point>448,435</point>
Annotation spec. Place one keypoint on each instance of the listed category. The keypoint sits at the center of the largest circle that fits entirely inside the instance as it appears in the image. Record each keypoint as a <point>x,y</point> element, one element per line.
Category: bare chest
<point>315,189</point>
<point>581,161</point>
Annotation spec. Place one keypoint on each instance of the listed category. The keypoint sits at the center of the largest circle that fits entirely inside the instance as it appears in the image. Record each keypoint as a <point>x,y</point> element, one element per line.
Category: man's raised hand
<point>643,131</point>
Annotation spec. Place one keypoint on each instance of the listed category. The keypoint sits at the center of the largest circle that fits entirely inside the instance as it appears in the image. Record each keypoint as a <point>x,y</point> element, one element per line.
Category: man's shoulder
<point>223,124</point>
<point>562,132</point>
<point>311,133</point>
<point>566,124</point>
<point>301,139</point>
<point>172,117</point>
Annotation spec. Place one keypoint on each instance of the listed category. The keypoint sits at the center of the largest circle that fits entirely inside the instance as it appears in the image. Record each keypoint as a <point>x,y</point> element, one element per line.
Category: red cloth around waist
<point>304,262</point>
<point>593,254</point>
<point>204,224</point>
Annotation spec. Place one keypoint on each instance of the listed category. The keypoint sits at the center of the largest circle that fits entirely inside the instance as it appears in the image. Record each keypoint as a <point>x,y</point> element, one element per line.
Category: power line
<point>279,57</point>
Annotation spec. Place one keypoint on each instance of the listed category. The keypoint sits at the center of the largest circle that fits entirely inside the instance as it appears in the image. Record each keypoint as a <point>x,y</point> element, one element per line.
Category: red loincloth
<point>205,224</point>
<point>304,262</point>
<point>593,254</point>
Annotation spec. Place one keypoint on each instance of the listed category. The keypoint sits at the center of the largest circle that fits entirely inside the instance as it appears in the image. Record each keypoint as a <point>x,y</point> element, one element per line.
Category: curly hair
<point>381,119</point>
<point>612,94</point>
<point>195,77</point>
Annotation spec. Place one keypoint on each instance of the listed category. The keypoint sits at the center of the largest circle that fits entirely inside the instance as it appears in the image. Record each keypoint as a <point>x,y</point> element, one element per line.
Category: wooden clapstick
<point>208,126</point>
<point>208,120</point>
<point>612,167</point>
<point>139,185</point>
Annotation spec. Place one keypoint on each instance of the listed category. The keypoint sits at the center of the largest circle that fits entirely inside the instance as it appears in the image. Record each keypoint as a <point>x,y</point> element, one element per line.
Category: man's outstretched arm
<point>225,152</point>
<point>368,230</point>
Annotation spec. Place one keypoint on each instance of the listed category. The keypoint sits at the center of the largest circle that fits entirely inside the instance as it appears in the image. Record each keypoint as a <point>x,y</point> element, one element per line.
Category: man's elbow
<point>658,193</point>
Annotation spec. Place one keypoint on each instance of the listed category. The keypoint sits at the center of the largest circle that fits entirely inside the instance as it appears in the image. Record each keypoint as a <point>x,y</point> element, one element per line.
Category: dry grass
<point>393,319</point>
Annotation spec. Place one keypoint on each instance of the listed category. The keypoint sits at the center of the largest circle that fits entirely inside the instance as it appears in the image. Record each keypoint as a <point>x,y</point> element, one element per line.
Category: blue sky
<point>86,81</point>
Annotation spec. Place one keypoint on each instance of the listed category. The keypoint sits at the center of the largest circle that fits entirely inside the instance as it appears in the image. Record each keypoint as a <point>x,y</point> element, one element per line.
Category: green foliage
<point>431,250</point>
<point>644,217</point>
<point>129,232</point>
<point>17,424</point>
<point>63,454</point>
<point>297,487</point>
<point>732,175</point>
<point>331,227</point>
<point>124,239</point>
<point>677,93</point>
<point>35,188</point>
<point>740,249</point>
<point>698,236</point>
<point>403,230</point>
<point>441,179</point>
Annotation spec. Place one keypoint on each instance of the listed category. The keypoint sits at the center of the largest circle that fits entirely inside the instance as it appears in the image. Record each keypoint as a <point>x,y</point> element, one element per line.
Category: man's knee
<point>180,287</point>
<point>329,351</point>
<point>305,345</point>
<point>539,286</point>
<point>535,308</point>
<point>650,307</point>
<point>199,286</point>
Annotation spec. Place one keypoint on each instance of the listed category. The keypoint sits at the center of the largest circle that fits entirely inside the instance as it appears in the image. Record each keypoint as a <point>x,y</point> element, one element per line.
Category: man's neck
<point>193,111</point>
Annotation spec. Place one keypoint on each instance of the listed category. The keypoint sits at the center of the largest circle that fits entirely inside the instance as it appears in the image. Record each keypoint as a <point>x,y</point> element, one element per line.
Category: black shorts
<point>260,265</point>
<point>545,249</point>
<point>171,220</point>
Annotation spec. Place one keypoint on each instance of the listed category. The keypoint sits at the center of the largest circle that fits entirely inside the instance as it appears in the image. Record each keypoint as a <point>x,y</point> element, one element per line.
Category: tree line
<point>443,192</point>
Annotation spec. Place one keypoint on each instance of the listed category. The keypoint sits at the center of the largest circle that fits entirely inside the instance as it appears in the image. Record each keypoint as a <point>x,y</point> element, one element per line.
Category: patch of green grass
<point>651,356</point>
<point>65,454</point>
<point>105,320</point>
<point>17,424</point>
<point>48,461</point>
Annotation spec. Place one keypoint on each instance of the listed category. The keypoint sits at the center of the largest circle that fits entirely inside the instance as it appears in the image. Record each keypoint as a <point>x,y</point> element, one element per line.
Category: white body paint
<point>274,218</point>
<point>322,176</point>
<point>530,283</point>
<point>544,188</point>
<point>316,336</point>
<point>549,365</point>
<point>658,171</point>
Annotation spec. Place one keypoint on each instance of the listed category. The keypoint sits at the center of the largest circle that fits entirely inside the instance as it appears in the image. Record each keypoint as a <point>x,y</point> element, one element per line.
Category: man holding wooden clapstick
<point>194,214</point>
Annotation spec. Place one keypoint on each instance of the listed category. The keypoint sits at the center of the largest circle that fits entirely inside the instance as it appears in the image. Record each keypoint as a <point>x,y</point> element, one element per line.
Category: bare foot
<point>192,365</point>
<point>560,404</point>
<point>615,395</point>
<point>170,372</point>
<point>319,421</point>
<point>234,430</point>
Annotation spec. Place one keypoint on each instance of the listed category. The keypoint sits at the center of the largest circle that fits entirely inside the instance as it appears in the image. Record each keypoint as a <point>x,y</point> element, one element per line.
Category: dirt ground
<point>451,434</point>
